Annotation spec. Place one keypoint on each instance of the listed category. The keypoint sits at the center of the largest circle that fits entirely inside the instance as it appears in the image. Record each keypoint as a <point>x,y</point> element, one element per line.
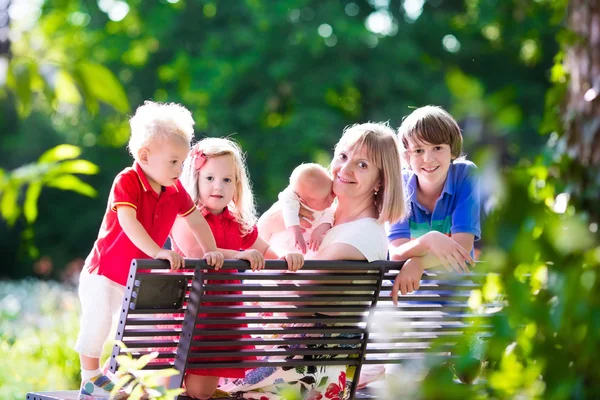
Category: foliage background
<point>284,78</point>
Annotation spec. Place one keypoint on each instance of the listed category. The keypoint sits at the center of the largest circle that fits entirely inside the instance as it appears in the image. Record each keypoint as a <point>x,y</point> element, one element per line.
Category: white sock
<point>87,375</point>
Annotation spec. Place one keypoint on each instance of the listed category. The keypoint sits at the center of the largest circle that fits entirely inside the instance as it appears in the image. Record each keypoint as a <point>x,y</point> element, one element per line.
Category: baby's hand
<point>214,258</point>
<point>316,237</point>
<point>294,261</point>
<point>257,260</point>
<point>453,256</point>
<point>299,242</point>
<point>174,259</point>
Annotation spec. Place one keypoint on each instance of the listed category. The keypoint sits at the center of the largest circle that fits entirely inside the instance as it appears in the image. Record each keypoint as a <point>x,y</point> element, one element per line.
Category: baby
<point>310,187</point>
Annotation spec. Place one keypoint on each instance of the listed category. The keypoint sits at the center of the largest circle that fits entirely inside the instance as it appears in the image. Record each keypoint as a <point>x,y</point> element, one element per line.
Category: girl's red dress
<point>226,231</point>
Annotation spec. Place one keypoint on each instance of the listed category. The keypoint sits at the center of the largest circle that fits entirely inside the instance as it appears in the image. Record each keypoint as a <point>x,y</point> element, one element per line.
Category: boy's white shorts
<point>101,300</point>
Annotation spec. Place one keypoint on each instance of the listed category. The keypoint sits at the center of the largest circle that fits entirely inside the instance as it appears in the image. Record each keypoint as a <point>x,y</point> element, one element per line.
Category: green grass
<point>39,322</point>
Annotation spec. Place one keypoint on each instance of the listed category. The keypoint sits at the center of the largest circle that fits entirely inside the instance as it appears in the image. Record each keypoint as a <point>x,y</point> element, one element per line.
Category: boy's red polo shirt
<point>113,251</point>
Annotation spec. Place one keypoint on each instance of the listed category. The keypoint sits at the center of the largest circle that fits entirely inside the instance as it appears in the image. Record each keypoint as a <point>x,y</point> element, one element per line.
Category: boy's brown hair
<point>431,124</point>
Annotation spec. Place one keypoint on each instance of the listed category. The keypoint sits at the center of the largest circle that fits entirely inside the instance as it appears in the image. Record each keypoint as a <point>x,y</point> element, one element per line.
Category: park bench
<point>345,308</point>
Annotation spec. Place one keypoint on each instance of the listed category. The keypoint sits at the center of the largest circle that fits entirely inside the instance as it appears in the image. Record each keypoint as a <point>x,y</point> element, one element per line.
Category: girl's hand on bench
<point>173,258</point>
<point>257,260</point>
<point>214,258</point>
<point>294,261</point>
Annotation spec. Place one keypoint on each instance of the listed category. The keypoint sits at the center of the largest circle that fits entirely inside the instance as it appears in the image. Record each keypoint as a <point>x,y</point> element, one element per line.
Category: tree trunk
<point>582,107</point>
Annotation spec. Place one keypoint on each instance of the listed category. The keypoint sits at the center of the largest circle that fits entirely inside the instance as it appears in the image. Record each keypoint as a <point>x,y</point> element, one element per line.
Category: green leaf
<point>8,204</point>
<point>30,209</point>
<point>65,88</point>
<point>71,182</point>
<point>21,79</point>
<point>59,153</point>
<point>101,84</point>
<point>83,167</point>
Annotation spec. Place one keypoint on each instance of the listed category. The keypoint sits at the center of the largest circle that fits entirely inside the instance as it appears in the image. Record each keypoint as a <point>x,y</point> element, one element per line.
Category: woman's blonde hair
<point>159,120</point>
<point>242,207</point>
<point>383,150</point>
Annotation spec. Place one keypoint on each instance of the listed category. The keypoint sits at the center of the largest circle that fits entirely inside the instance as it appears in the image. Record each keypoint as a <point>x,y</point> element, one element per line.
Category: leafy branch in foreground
<point>140,384</point>
<point>55,168</point>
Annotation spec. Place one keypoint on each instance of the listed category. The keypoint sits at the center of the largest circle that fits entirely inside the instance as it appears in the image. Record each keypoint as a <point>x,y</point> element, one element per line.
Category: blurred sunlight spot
<point>588,279</point>
<point>530,330</point>
<point>570,235</point>
<point>10,305</point>
<point>561,203</point>
<point>117,10</point>
<point>492,287</point>
<point>590,95</point>
<point>380,3</point>
<point>274,120</point>
<point>593,227</point>
<point>79,18</point>
<point>210,10</point>
<point>125,75</point>
<point>491,32</point>
<point>294,15</point>
<point>384,325</point>
<point>26,12</point>
<point>403,381</point>
<point>351,9</point>
<point>475,299</point>
<point>381,22</point>
<point>529,50</point>
<point>173,1</point>
<point>539,279</point>
<point>372,41</point>
<point>325,30</point>
<point>3,70</point>
<point>331,41</point>
<point>413,9</point>
<point>451,43</point>
<point>88,140</point>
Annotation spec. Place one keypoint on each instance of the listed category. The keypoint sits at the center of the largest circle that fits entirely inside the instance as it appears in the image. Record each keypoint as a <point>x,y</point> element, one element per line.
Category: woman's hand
<point>294,261</point>
<point>408,279</point>
<point>257,260</point>
<point>452,255</point>
<point>214,258</point>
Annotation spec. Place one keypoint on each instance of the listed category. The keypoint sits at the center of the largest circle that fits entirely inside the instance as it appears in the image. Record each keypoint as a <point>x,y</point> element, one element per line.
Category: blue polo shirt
<point>456,210</point>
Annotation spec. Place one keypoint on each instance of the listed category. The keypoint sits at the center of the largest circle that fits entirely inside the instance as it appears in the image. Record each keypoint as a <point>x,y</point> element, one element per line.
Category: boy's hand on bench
<point>451,254</point>
<point>408,279</point>
<point>173,258</point>
<point>214,258</point>
<point>255,257</point>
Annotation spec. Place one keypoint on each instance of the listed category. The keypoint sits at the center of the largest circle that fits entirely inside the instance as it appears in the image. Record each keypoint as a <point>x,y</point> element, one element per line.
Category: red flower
<point>334,391</point>
<point>313,395</point>
<point>264,398</point>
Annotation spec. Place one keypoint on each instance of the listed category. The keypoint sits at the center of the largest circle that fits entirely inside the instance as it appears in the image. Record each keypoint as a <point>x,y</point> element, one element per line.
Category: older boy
<point>443,196</point>
<point>142,206</point>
